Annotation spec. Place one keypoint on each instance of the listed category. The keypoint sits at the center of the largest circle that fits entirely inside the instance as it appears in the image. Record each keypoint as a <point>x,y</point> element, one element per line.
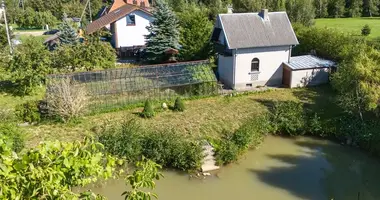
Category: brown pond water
<point>302,168</point>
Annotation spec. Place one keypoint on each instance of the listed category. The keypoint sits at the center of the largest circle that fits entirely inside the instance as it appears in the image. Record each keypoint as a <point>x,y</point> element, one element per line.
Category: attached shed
<point>308,70</point>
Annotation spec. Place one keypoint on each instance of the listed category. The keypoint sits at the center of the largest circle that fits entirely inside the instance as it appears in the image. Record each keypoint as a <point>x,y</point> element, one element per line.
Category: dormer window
<point>131,20</point>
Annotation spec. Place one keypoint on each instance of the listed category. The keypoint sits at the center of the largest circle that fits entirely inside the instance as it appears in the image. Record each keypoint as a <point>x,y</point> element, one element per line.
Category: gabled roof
<point>119,3</point>
<point>308,62</point>
<point>112,17</point>
<point>248,30</point>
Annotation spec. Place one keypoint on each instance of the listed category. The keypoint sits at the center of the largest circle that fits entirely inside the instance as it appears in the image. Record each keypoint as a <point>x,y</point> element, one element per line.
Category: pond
<point>282,168</point>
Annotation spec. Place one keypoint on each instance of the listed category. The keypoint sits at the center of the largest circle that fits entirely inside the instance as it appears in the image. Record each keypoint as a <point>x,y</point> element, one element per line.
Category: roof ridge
<point>247,13</point>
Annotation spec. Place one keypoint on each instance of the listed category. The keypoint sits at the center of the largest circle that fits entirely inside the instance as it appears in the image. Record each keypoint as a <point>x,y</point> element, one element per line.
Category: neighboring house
<point>127,21</point>
<point>252,48</point>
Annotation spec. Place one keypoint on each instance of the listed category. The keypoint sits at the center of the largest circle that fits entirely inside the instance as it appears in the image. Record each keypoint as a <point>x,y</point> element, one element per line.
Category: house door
<point>286,76</point>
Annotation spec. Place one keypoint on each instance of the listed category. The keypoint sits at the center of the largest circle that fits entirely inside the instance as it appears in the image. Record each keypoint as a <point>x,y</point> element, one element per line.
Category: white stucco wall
<point>128,36</point>
<point>225,67</point>
<point>271,59</point>
<point>309,77</point>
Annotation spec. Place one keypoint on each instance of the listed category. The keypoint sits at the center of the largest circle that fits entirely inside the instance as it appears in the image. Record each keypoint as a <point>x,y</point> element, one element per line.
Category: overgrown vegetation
<point>28,112</point>
<point>247,136</point>
<point>168,149</point>
<point>52,169</point>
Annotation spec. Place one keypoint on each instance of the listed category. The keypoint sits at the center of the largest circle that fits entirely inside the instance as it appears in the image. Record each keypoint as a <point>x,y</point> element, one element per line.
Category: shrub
<point>148,111</point>
<point>366,30</point>
<point>248,135</point>
<point>124,141</point>
<point>179,105</point>
<point>29,66</point>
<point>13,135</point>
<point>171,150</point>
<point>166,148</point>
<point>288,118</point>
<point>66,100</point>
<point>227,152</point>
<point>28,112</point>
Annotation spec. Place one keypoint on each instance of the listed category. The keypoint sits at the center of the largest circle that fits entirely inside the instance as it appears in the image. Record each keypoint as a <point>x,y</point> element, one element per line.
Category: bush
<point>179,105</point>
<point>123,141</point>
<point>66,100</point>
<point>166,148</point>
<point>28,112</point>
<point>29,66</point>
<point>148,111</point>
<point>13,135</point>
<point>227,152</point>
<point>366,30</point>
<point>249,135</point>
<point>288,118</point>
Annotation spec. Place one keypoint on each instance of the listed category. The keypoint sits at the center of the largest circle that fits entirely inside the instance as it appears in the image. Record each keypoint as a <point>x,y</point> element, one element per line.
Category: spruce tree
<point>163,33</point>
<point>67,34</point>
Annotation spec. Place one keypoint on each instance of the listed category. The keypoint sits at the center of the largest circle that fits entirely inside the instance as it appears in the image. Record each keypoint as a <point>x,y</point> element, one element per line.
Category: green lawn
<point>351,25</point>
<point>206,117</point>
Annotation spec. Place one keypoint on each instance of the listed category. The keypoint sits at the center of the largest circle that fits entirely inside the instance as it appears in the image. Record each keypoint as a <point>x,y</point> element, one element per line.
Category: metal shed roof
<point>247,30</point>
<point>308,62</point>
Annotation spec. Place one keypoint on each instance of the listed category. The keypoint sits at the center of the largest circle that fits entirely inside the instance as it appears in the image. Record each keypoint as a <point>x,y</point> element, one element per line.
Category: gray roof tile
<point>247,30</point>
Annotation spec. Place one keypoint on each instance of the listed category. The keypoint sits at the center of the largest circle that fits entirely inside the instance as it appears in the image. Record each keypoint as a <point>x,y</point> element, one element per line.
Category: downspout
<point>234,67</point>
<point>290,53</point>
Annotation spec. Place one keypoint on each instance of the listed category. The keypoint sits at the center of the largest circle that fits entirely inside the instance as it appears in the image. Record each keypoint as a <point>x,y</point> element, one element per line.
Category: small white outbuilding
<point>307,70</point>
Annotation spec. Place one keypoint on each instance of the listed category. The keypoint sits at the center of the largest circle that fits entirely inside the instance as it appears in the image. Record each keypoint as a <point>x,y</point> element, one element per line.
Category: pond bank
<point>283,168</point>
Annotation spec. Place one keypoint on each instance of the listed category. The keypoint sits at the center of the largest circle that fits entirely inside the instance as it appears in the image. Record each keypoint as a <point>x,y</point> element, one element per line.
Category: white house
<point>127,23</point>
<point>254,47</point>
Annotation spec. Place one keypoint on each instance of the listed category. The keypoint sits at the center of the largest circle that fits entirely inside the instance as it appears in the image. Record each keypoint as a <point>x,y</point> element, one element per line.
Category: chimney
<point>230,9</point>
<point>264,14</point>
<point>134,2</point>
<point>142,3</point>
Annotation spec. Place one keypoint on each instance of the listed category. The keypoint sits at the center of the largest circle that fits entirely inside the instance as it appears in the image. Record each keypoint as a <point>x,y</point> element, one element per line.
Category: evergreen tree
<point>163,33</point>
<point>355,8</point>
<point>67,34</point>
<point>370,7</point>
<point>321,8</point>
<point>336,8</point>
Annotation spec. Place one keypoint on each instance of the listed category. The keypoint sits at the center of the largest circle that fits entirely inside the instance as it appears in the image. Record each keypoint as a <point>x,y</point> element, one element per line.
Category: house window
<point>255,65</point>
<point>131,20</point>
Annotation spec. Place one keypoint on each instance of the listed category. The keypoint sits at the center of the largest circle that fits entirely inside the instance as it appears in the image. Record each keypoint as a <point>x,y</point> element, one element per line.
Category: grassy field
<point>351,25</point>
<point>203,118</point>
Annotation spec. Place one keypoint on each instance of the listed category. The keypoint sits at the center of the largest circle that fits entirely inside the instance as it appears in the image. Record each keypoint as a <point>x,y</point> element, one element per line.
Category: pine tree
<point>67,34</point>
<point>163,33</point>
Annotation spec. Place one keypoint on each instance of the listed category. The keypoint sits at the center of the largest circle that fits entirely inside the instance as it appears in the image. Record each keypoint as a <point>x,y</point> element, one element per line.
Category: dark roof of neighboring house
<point>112,17</point>
<point>52,38</point>
<point>247,30</point>
<point>308,62</point>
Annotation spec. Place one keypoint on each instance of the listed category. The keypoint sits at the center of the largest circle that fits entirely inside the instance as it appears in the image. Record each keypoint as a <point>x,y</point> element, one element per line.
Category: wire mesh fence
<point>116,88</point>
